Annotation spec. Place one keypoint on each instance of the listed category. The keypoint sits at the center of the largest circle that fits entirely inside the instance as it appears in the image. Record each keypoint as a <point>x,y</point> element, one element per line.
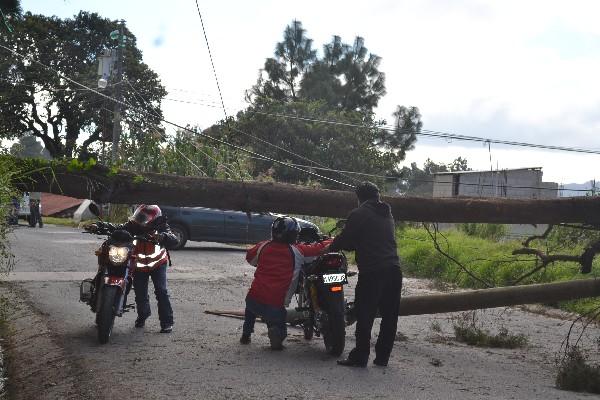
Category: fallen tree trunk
<point>478,299</point>
<point>100,184</point>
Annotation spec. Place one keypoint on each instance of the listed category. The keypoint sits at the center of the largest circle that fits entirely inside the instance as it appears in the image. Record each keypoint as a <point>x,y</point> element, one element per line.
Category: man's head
<point>285,229</point>
<point>145,215</point>
<point>366,191</point>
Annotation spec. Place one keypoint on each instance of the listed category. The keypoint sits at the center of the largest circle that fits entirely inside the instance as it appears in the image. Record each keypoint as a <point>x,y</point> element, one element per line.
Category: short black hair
<point>366,191</point>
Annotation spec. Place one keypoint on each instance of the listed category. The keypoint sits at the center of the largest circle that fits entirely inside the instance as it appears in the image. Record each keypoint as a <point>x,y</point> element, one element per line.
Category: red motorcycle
<point>106,293</point>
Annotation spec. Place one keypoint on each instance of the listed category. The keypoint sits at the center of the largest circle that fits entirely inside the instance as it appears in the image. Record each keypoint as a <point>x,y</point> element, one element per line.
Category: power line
<point>211,59</point>
<point>399,177</point>
<point>175,124</point>
<point>193,144</point>
<point>422,132</point>
<point>438,134</point>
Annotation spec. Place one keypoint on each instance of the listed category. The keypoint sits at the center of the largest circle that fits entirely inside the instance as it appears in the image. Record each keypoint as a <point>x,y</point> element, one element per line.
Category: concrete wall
<point>513,184</point>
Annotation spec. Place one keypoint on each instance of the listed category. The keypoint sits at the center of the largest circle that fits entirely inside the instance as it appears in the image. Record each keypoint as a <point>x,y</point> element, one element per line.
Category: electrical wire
<point>193,144</point>
<point>211,59</point>
<point>421,132</point>
<point>175,124</point>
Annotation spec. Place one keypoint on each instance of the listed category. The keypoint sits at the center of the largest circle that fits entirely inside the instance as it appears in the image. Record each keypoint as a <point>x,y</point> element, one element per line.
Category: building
<point>520,183</point>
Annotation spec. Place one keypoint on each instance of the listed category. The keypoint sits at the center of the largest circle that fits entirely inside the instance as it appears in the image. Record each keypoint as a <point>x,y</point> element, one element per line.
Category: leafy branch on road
<point>543,259</point>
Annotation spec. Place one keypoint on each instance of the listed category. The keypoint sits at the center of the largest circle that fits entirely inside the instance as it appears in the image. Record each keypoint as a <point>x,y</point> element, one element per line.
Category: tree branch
<point>542,236</point>
<point>433,237</point>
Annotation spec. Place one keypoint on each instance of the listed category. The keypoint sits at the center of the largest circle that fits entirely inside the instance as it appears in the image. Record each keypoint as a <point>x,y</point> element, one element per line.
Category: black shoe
<point>166,329</point>
<point>245,339</point>
<point>380,363</point>
<point>351,363</point>
<point>275,339</point>
<point>140,322</point>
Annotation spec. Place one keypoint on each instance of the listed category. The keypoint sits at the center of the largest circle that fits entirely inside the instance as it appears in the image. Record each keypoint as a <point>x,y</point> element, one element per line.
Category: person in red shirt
<point>278,263</point>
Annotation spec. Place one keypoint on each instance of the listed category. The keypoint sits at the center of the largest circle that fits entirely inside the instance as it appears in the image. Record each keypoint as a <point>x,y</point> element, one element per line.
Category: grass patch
<point>61,221</point>
<point>575,374</point>
<point>467,330</point>
<point>488,259</point>
<point>474,336</point>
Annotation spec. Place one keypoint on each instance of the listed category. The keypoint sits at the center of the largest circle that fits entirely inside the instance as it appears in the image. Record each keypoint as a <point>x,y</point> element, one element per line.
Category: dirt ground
<point>53,352</point>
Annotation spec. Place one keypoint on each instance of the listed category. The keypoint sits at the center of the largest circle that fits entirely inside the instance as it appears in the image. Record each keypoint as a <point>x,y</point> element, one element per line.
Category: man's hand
<point>325,249</point>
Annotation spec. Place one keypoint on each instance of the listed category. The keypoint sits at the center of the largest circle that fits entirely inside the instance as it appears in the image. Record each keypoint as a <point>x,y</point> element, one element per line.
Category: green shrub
<point>475,336</point>
<point>7,191</point>
<point>575,374</point>
<point>484,231</point>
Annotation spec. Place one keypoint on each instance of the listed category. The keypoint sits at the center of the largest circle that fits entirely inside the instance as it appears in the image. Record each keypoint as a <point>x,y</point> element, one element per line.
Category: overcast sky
<point>512,70</point>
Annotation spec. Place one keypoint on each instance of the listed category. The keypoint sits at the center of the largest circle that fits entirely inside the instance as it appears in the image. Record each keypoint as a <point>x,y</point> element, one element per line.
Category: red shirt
<point>277,269</point>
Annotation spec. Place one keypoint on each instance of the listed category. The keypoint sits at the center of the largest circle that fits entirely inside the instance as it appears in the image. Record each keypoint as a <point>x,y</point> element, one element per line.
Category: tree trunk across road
<point>99,184</point>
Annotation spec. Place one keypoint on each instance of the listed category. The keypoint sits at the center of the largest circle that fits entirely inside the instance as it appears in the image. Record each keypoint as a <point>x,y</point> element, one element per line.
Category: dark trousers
<point>34,216</point>
<point>376,290</point>
<point>273,316</point>
<point>142,301</point>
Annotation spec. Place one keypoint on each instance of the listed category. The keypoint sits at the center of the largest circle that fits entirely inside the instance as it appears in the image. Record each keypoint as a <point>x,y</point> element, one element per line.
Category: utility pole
<point>121,39</point>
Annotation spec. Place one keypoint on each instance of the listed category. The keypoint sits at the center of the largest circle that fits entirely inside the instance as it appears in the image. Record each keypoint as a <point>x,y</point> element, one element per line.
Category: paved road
<point>202,359</point>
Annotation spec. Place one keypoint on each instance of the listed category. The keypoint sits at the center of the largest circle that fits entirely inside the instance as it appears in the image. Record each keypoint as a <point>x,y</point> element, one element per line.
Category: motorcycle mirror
<point>94,209</point>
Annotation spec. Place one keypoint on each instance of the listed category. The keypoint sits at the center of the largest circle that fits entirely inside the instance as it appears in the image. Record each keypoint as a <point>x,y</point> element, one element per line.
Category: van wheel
<point>181,234</point>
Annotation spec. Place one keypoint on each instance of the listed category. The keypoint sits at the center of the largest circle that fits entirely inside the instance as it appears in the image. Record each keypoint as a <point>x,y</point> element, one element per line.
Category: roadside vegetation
<point>7,191</point>
<point>576,374</point>
<point>467,330</point>
<point>479,252</point>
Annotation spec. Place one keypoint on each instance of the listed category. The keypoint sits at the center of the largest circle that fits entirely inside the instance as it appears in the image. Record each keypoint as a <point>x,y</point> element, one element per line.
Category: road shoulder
<point>37,365</point>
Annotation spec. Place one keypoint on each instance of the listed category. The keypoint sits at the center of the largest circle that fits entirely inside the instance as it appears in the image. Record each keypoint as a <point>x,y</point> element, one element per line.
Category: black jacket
<point>370,231</point>
<point>167,238</point>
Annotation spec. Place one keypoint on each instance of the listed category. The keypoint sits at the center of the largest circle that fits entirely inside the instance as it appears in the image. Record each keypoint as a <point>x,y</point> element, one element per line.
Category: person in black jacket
<point>151,263</point>
<point>370,232</point>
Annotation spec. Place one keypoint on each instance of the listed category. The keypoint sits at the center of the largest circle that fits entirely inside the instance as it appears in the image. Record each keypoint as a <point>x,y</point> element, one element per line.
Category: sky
<point>524,71</point>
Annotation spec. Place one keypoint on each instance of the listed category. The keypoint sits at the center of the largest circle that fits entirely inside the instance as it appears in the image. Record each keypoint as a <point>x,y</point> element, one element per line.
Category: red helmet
<point>144,215</point>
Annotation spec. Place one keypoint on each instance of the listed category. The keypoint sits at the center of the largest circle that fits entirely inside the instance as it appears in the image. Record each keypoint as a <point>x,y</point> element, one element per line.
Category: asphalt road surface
<point>54,351</point>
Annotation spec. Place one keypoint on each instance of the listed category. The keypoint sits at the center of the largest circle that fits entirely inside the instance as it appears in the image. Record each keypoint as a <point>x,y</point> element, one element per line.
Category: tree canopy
<point>68,119</point>
<point>317,110</point>
<point>419,182</point>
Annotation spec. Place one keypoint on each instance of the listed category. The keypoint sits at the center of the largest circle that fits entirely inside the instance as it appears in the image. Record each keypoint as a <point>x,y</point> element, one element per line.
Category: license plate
<point>334,278</point>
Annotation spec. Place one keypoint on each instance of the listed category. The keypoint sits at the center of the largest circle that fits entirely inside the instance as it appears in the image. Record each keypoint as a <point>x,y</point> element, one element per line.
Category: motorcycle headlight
<point>117,255</point>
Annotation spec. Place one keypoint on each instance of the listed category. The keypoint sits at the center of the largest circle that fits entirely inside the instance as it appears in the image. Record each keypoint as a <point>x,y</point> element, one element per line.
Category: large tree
<point>34,99</point>
<point>293,56</point>
<point>407,124</point>
<point>347,76</point>
<point>265,129</point>
<point>319,111</point>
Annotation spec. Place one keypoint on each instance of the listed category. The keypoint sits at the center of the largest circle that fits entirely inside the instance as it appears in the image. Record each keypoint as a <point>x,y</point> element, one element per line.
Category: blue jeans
<point>140,286</point>
<point>273,316</point>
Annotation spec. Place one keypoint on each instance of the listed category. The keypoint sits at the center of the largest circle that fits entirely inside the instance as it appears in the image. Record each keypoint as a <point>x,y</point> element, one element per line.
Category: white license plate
<point>334,278</point>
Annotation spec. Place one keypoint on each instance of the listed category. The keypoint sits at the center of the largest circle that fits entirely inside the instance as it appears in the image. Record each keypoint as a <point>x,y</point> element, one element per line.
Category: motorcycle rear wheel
<point>334,334</point>
<point>106,313</point>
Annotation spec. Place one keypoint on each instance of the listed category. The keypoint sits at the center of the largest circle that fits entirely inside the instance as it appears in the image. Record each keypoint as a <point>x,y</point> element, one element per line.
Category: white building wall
<point>512,184</point>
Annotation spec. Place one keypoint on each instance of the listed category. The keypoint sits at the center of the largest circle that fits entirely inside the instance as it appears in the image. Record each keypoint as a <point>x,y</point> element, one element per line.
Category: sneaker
<point>167,329</point>
<point>140,322</point>
<point>245,339</point>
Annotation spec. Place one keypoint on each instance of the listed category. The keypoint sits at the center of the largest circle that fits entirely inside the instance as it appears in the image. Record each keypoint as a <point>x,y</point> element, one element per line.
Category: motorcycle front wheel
<point>105,317</point>
<point>334,333</point>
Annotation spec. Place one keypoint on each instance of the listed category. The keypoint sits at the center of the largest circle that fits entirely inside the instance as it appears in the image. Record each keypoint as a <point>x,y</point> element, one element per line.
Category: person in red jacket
<point>278,263</point>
